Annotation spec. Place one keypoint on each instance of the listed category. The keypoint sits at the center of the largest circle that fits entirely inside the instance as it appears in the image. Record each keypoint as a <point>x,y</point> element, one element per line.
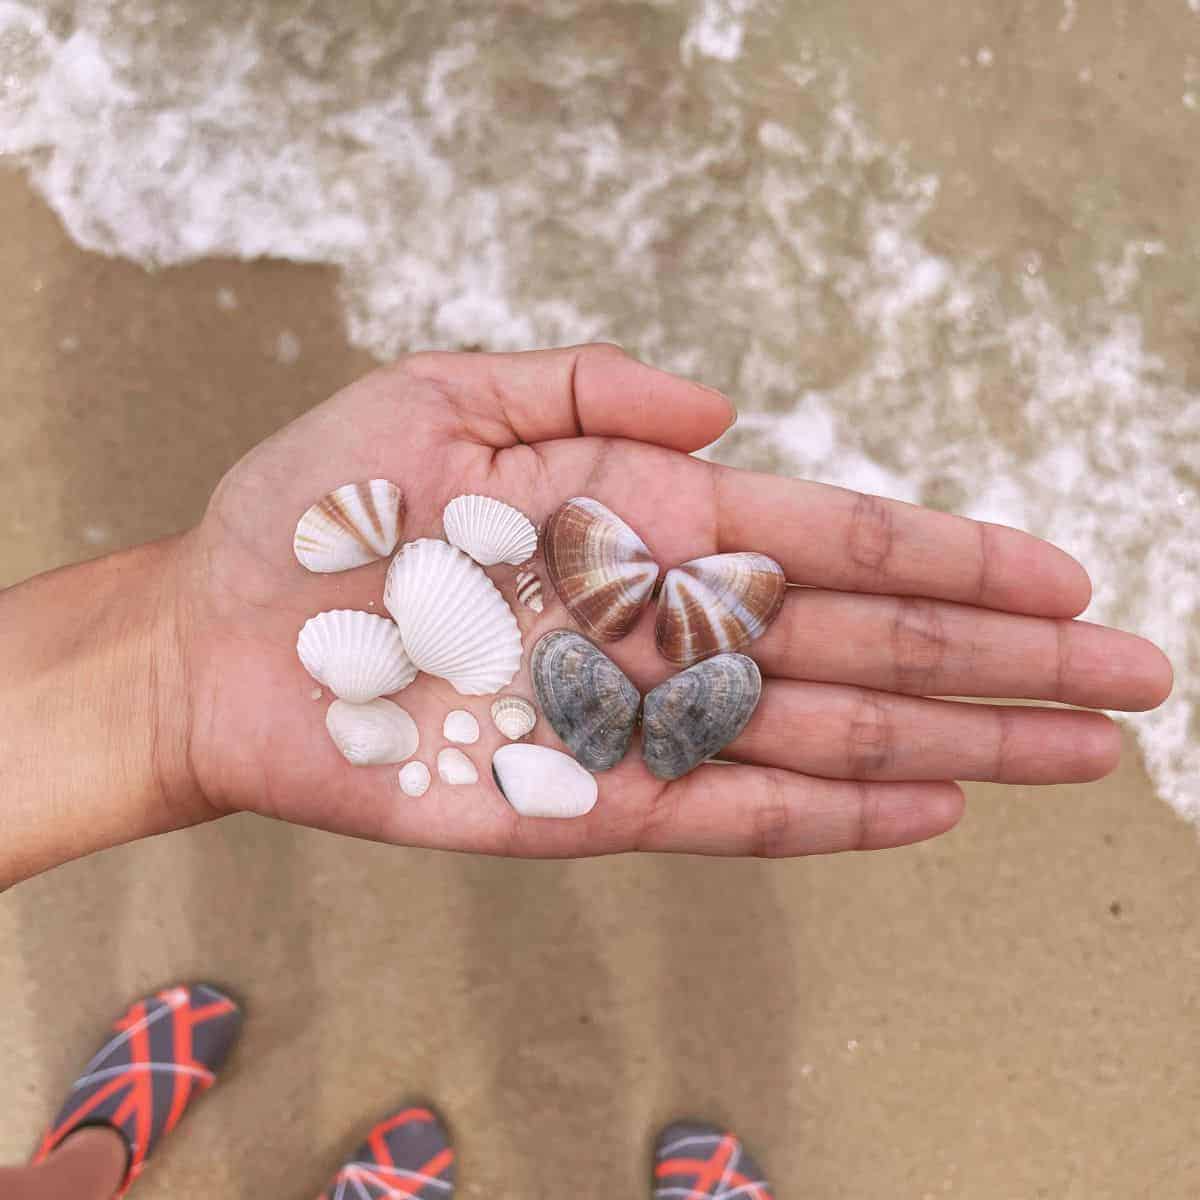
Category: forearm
<point>93,723</point>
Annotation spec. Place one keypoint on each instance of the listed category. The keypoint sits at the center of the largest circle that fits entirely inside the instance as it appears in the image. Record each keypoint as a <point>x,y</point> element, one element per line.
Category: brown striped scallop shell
<point>716,604</point>
<point>603,572</point>
<point>355,524</point>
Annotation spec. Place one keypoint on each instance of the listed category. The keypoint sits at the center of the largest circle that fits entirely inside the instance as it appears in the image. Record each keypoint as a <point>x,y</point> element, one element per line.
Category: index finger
<point>854,542</point>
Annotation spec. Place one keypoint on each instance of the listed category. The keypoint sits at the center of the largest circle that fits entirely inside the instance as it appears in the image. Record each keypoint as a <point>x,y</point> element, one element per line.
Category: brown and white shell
<point>529,590</point>
<point>355,524</point>
<point>716,604</point>
<point>514,716</point>
<point>603,572</point>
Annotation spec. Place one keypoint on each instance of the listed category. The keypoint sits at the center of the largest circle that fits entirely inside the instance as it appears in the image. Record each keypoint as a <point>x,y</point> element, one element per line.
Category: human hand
<point>846,749</point>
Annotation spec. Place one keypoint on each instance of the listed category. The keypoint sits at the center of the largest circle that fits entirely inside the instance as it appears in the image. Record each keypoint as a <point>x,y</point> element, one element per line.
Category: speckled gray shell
<point>698,712</point>
<point>585,697</point>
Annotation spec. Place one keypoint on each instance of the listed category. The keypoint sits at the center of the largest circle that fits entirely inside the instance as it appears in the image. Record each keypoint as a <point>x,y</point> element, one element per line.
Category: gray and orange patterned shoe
<point>407,1156</point>
<point>700,1162</point>
<point>164,1051</point>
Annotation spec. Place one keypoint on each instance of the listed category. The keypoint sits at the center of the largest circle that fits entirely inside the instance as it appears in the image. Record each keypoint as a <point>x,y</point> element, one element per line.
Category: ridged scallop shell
<point>355,524</point>
<point>357,655</point>
<point>372,733</point>
<point>490,531</point>
<point>603,572</point>
<point>540,782</point>
<point>452,620</point>
<point>514,716</point>
<point>716,604</point>
<point>697,713</point>
<point>455,768</point>
<point>414,779</point>
<point>529,591</point>
<point>586,698</point>
<point>460,726</point>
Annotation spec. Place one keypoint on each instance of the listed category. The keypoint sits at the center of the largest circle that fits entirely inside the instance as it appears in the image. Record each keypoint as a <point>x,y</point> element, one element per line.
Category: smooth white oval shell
<point>455,768</point>
<point>514,716</point>
<point>490,531</point>
<point>540,782</point>
<point>355,524</point>
<point>414,779</point>
<point>357,655</point>
<point>452,619</point>
<point>460,726</point>
<point>372,733</point>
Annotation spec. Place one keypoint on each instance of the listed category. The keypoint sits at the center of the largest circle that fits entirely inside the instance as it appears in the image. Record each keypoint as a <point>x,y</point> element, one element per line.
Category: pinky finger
<point>771,813</point>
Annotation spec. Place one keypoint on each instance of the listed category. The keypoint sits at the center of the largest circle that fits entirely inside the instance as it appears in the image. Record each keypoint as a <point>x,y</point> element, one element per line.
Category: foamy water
<point>690,180</point>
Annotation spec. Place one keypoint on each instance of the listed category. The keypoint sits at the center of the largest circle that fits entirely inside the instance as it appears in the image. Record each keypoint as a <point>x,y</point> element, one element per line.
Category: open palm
<point>846,750</point>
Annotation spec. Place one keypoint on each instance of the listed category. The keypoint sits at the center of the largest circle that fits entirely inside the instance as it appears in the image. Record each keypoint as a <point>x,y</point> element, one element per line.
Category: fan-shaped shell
<point>489,530</point>
<point>585,697</point>
<point>514,716</point>
<point>372,733</point>
<point>717,604</point>
<point>529,590</point>
<point>453,621</point>
<point>540,782</point>
<point>603,572</point>
<point>355,524</point>
<point>414,779</point>
<point>697,713</point>
<point>357,655</point>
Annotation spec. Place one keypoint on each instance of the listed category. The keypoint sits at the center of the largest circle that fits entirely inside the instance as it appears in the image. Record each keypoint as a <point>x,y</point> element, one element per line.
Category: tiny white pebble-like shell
<point>355,524</point>
<point>452,619</point>
<point>489,530</point>
<point>529,591</point>
<point>372,733</point>
<point>414,779</point>
<point>455,768</point>
<point>540,782</point>
<point>357,655</point>
<point>514,716</point>
<point>460,726</point>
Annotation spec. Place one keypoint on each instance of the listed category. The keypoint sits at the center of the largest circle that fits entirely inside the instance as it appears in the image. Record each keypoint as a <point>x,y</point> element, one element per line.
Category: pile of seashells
<point>449,619</point>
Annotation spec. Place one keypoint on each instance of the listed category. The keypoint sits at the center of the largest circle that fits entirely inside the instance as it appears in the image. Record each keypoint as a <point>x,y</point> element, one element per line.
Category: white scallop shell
<point>540,782</point>
<point>514,716</point>
<point>414,779</point>
<point>460,726</point>
<point>455,768</point>
<point>357,655</point>
<point>372,733</point>
<point>490,531</point>
<point>453,621</point>
<point>355,524</point>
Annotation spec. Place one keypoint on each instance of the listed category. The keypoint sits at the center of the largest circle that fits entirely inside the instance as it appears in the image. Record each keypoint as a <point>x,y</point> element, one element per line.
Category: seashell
<point>460,726</point>
<point>540,782</point>
<point>585,697</point>
<point>601,569</point>
<point>414,779</point>
<point>529,590</point>
<point>514,716</point>
<point>452,620</point>
<point>490,531</point>
<point>698,712</point>
<point>716,604</point>
<point>357,655</point>
<point>372,733</point>
<point>356,524</point>
<point>455,768</point>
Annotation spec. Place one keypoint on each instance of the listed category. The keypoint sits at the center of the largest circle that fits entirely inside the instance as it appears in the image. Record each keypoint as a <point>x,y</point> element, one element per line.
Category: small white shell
<point>414,779</point>
<point>514,716</point>
<point>372,733</point>
<point>460,726</point>
<point>357,655</point>
<point>490,531</point>
<point>540,782</point>
<point>529,591</point>
<point>455,768</point>
<point>356,524</point>
<point>453,621</point>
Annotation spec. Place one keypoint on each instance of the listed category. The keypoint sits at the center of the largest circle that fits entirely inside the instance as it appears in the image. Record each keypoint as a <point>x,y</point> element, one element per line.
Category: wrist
<point>94,710</point>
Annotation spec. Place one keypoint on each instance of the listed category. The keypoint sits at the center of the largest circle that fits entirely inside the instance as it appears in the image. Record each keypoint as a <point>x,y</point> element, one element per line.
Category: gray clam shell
<point>585,697</point>
<point>698,712</point>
